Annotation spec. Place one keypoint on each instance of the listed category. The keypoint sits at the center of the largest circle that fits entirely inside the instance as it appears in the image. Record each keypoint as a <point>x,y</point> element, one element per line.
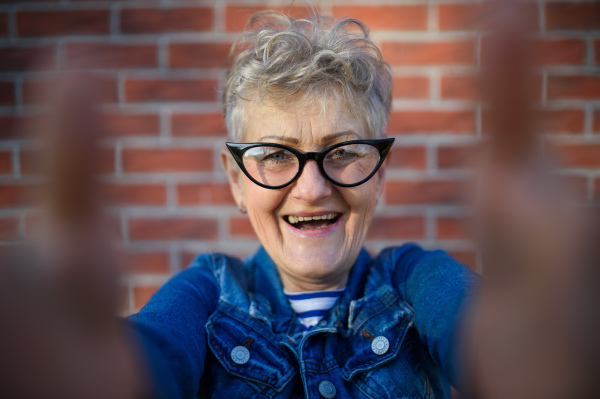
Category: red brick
<point>597,51</point>
<point>26,58</point>
<point>174,228</point>
<point>597,191</point>
<point>577,16</point>
<point>121,124</point>
<point>580,155</point>
<point>141,295</point>
<point>5,162</point>
<point>156,90</point>
<point>38,90</point>
<point>103,55</point>
<point>574,87</point>
<point>198,125</point>
<point>9,229</point>
<point>240,227</point>
<point>204,194</point>
<point>167,160</point>
<point>460,87</point>
<point>31,161</point>
<point>458,52</point>
<point>162,20</point>
<point>236,16</point>
<point>15,195</point>
<point>442,192</point>
<point>467,258</point>
<point>146,262</point>
<point>63,22</point>
<point>560,52</point>
<point>596,121</point>
<point>395,17</point>
<point>19,126</point>
<point>451,228</point>
<point>469,16</point>
<point>413,157</point>
<point>186,258</point>
<point>135,194</point>
<point>199,55</point>
<point>411,87</point>
<point>432,122</point>
<point>3,24</point>
<point>453,157</point>
<point>7,93</point>
<point>563,121</point>
<point>396,227</point>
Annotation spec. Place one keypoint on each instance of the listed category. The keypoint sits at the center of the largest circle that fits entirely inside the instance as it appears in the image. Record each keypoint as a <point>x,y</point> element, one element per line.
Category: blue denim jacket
<point>411,297</point>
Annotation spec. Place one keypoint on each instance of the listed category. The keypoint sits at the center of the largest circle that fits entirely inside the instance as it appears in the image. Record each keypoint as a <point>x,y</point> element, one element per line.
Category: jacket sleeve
<point>170,330</point>
<point>438,288</point>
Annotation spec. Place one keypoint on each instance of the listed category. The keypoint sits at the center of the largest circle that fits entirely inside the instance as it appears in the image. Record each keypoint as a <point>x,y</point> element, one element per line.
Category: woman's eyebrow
<point>291,140</point>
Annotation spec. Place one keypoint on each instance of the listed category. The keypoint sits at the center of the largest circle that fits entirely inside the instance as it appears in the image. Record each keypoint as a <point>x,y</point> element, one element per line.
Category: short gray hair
<point>282,61</point>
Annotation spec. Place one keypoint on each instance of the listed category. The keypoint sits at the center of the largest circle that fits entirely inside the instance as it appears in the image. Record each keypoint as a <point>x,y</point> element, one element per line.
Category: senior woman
<point>311,313</point>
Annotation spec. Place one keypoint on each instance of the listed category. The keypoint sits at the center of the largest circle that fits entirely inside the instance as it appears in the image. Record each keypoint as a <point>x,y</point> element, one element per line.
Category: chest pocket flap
<point>266,364</point>
<point>379,328</point>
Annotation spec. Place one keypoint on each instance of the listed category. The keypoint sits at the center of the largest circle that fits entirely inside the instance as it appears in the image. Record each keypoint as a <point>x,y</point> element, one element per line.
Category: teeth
<point>296,219</point>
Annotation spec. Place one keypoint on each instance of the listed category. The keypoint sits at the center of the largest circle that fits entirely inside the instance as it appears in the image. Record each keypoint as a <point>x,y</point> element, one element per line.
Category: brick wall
<point>161,64</point>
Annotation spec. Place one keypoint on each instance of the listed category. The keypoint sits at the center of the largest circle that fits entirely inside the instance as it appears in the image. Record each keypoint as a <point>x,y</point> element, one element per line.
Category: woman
<point>311,314</point>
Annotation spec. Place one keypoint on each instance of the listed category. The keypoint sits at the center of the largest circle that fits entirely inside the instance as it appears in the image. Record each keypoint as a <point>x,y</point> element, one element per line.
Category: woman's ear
<point>234,175</point>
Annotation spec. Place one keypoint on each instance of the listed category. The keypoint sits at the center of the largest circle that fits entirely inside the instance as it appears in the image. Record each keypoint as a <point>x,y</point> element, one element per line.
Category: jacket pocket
<point>252,364</point>
<point>384,363</point>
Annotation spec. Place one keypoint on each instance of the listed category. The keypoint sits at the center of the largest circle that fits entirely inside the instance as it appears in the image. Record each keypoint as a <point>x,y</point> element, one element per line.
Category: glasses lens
<point>352,163</point>
<point>271,166</point>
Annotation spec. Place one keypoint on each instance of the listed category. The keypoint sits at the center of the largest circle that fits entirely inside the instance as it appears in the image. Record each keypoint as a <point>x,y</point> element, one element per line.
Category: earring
<point>242,207</point>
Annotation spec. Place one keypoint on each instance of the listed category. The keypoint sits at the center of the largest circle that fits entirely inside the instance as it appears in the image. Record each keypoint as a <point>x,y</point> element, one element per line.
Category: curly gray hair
<point>282,61</point>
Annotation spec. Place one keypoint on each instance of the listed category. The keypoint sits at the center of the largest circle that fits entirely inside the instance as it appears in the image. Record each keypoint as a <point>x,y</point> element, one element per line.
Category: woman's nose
<point>311,186</point>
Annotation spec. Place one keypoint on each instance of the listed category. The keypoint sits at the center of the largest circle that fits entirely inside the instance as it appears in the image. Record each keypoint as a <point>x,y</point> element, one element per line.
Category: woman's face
<point>313,255</point>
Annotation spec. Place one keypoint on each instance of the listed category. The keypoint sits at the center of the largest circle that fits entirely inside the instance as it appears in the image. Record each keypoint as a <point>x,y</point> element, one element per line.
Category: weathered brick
<point>199,55</point>
<point>237,15</point>
<point>412,157</point>
<point>560,52</point>
<point>396,17</point>
<point>157,90</point>
<point>162,20</point>
<point>580,155</point>
<point>167,160</point>
<point>63,22</point>
<point>198,125</point>
<point>457,52</point>
<point>7,93</point>
<point>596,125</point>
<point>204,194</point>
<point>397,227</point>
<point>575,16</point>
<point>173,228</point>
<point>454,157</point>
<point>471,16</point>
<point>141,295</point>
<point>26,58</point>
<point>37,90</point>
<point>410,192</point>
<point>15,195</point>
<point>241,227</point>
<point>110,55</point>
<point>5,162</point>
<point>416,87</point>
<point>122,124</point>
<point>9,229</point>
<point>460,87</point>
<point>19,126</point>
<point>573,87</point>
<point>432,122</point>
<point>31,161</point>
<point>135,194</point>
<point>452,228</point>
<point>562,121</point>
<point>145,262</point>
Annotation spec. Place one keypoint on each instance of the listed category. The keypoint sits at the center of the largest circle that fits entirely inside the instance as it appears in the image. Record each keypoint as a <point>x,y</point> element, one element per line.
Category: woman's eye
<point>343,154</point>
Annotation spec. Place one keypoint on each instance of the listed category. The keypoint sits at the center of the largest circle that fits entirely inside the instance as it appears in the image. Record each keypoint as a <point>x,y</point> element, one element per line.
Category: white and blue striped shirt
<point>311,306</point>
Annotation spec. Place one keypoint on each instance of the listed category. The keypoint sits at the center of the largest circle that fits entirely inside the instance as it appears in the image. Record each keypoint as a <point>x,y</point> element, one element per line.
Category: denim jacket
<point>391,334</point>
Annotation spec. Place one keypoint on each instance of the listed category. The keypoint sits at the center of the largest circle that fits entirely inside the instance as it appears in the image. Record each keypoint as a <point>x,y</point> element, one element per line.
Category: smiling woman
<point>312,313</point>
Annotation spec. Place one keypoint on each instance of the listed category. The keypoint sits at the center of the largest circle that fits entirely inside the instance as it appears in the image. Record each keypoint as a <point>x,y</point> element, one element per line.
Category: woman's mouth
<point>312,222</point>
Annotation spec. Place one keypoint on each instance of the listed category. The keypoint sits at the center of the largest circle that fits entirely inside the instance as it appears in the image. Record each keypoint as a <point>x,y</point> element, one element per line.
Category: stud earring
<point>242,207</point>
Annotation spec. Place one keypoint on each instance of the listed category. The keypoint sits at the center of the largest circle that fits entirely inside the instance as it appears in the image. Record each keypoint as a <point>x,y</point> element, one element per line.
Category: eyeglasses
<point>346,164</point>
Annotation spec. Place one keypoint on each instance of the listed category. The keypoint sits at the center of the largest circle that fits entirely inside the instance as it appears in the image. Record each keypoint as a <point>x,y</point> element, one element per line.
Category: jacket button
<point>380,345</point>
<point>240,355</point>
<point>326,389</point>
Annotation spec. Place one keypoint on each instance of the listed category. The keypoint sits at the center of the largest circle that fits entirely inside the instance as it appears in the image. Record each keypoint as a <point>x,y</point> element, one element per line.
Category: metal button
<point>326,389</point>
<point>240,355</point>
<point>380,345</point>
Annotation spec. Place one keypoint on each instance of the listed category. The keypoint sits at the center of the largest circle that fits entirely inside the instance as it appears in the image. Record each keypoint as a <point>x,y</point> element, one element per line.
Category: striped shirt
<point>311,306</point>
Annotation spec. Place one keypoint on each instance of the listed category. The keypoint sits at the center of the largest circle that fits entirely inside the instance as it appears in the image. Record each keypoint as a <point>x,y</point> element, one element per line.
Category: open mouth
<point>312,222</point>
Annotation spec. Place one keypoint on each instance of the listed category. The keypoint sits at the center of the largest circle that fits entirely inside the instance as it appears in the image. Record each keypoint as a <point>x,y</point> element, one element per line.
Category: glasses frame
<point>237,150</point>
